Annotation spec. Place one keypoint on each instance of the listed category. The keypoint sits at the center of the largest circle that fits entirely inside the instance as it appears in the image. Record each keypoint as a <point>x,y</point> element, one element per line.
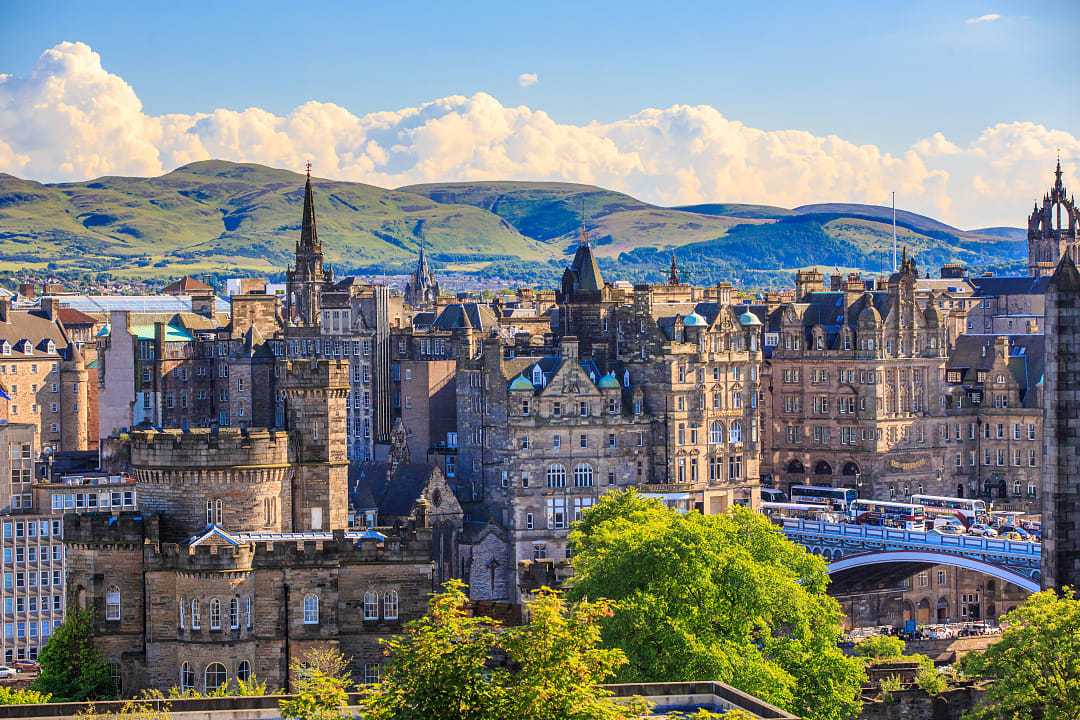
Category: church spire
<point>309,236</point>
<point>673,274</point>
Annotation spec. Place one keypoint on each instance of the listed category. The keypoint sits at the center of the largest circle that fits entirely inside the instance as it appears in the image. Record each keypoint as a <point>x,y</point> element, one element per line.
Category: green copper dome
<point>694,320</point>
<point>749,318</point>
<point>608,382</point>
<point>521,383</point>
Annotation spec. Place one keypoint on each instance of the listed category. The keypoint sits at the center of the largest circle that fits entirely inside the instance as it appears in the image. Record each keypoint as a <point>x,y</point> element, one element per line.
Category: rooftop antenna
<point>894,231</point>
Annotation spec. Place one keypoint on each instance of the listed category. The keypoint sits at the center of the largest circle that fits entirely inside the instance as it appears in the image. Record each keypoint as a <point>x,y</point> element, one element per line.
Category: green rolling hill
<point>218,218</point>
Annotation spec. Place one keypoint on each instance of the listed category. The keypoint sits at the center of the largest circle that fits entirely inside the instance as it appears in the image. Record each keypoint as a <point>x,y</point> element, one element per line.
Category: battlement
<point>128,528</point>
<point>277,550</point>
<point>205,448</point>
<point>317,374</point>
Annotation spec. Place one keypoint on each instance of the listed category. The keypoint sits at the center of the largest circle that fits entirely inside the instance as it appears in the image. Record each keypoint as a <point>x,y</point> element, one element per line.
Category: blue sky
<point>882,72</point>
<point>960,107</point>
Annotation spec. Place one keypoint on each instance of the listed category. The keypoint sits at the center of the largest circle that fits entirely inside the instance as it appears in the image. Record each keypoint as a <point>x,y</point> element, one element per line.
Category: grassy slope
<point>218,215</point>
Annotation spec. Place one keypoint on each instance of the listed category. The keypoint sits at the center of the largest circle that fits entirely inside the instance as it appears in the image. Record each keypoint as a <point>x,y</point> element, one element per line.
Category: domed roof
<point>521,383</point>
<point>608,382</point>
<point>749,318</point>
<point>694,320</point>
<point>870,313</point>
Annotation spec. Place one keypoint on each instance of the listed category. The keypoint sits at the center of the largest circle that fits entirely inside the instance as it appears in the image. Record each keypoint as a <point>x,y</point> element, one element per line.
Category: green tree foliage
<point>931,680</point>
<point>1035,667</point>
<point>880,647</point>
<point>449,665</point>
<point>321,687</point>
<point>72,668</point>
<point>22,696</point>
<point>726,597</point>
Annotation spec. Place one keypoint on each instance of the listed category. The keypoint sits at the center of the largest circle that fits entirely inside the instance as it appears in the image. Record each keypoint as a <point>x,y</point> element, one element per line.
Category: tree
<point>723,597</point>
<point>1036,664</point>
<point>322,687</point>
<point>72,668</point>
<point>880,647</point>
<point>450,665</point>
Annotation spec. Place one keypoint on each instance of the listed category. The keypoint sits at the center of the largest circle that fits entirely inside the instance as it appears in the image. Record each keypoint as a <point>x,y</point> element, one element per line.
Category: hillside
<point>216,215</point>
<point>216,218</point>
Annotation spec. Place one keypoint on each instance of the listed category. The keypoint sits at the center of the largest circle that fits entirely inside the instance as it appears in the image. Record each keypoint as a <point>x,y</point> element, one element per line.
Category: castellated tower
<point>231,478</point>
<point>315,395</point>
<point>74,401</point>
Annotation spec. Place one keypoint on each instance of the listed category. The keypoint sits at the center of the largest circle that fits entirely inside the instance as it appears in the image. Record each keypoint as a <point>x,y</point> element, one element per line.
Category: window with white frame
<point>371,605</point>
<point>311,609</point>
<point>390,605</point>
<point>215,614</point>
<point>112,603</point>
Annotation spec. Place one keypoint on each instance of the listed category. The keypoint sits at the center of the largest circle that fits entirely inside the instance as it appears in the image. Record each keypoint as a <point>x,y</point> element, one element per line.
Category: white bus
<point>838,498</point>
<point>888,514</point>
<point>966,510</point>
<point>777,511</point>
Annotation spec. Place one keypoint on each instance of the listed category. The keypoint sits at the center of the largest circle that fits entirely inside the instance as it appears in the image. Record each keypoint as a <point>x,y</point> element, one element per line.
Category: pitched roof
<point>34,327</point>
<point>586,271</point>
<point>1022,285</point>
<point>71,317</point>
<point>187,285</point>
<point>370,487</point>
<point>469,315</point>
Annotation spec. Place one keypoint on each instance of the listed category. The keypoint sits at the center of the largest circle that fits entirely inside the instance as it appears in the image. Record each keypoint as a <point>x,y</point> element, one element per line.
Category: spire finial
<point>309,169</point>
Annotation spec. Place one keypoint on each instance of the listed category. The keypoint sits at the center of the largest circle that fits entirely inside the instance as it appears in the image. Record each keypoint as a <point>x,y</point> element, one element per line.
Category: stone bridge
<point>861,553</point>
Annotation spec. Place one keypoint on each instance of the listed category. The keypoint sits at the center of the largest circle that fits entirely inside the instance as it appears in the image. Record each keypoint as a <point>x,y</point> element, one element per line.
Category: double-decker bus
<point>773,495</point>
<point>888,514</point>
<point>837,498</point>
<point>967,510</point>
<point>777,511</point>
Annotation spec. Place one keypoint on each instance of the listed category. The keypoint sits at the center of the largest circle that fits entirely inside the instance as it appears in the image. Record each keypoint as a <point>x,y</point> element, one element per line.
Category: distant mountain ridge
<point>219,218</point>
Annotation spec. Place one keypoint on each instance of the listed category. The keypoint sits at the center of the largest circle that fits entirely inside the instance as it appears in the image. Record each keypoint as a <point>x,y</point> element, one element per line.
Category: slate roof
<point>470,315</point>
<point>369,487</point>
<point>32,326</point>
<point>1027,358</point>
<point>586,271</point>
<point>1024,285</point>
<point>186,285</point>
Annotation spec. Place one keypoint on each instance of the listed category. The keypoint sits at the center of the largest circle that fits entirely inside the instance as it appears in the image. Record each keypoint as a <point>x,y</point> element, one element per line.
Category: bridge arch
<point>850,562</point>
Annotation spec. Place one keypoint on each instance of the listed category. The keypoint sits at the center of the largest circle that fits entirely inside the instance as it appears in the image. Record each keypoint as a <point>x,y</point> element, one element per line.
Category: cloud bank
<point>70,119</point>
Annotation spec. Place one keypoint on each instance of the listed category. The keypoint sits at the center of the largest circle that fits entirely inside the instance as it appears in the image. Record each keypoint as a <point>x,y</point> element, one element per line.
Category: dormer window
<point>626,378</point>
<point>6,348</point>
<point>25,347</point>
<point>537,375</point>
<point>50,347</point>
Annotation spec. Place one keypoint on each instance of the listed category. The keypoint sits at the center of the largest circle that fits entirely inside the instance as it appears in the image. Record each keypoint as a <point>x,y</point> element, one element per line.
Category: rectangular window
<point>556,513</point>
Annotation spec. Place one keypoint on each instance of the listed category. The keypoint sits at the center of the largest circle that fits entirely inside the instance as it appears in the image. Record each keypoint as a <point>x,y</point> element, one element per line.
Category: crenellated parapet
<point>317,377</point>
<point>100,529</point>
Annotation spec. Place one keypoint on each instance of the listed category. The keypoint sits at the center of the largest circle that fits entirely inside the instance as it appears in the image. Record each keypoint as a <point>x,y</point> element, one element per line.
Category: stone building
<point>241,558</point>
<point>854,376</point>
<point>1061,466</point>
<point>1053,229</point>
<point>421,289</point>
<point>43,377</point>
<point>343,319</point>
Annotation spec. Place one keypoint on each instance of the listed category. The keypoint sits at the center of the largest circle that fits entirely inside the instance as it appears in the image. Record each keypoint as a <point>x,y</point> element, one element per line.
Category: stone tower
<point>305,281</point>
<point>1061,430</point>
<point>422,290</point>
<point>1053,229</point>
<point>585,303</point>
<point>74,401</point>
<point>315,395</point>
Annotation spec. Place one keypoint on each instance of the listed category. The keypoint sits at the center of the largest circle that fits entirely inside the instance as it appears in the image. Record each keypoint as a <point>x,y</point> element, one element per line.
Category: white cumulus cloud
<point>70,119</point>
<point>987,18</point>
<point>528,79</point>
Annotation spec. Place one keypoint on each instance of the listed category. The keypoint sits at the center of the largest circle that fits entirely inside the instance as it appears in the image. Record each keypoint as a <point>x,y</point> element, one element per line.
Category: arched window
<point>822,468</point>
<point>390,605</point>
<point>716,432</point>
<point>215,614</point>
<point>795,467</point>
<point>243,671</point>
<point>215,676</point>
<point>583,475</point>
<point>735,436</point>
<point>248,612</point>
<point>850,469</point>
<point>736,398</point>
<point>183,612</point>
<point>234,613</point>
<point>195,615</point>
<point>112,603</point>
<point>556,476</point>
<point>311,609</point>
<point>187,678</point>
<point>371,605</point>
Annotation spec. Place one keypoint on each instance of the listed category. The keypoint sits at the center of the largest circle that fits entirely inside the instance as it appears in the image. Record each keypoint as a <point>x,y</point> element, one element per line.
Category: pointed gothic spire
<point>309,237</point>
<point>673,274</point>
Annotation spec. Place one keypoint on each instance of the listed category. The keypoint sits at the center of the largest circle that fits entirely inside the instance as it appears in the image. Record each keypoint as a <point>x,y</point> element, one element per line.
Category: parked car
<point>7,672</point>
<point>1012,535</point>
<point>948,529</point>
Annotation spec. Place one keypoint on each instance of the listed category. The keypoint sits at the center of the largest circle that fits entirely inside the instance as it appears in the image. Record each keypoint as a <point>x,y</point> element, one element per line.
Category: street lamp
<point>858,483</point>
